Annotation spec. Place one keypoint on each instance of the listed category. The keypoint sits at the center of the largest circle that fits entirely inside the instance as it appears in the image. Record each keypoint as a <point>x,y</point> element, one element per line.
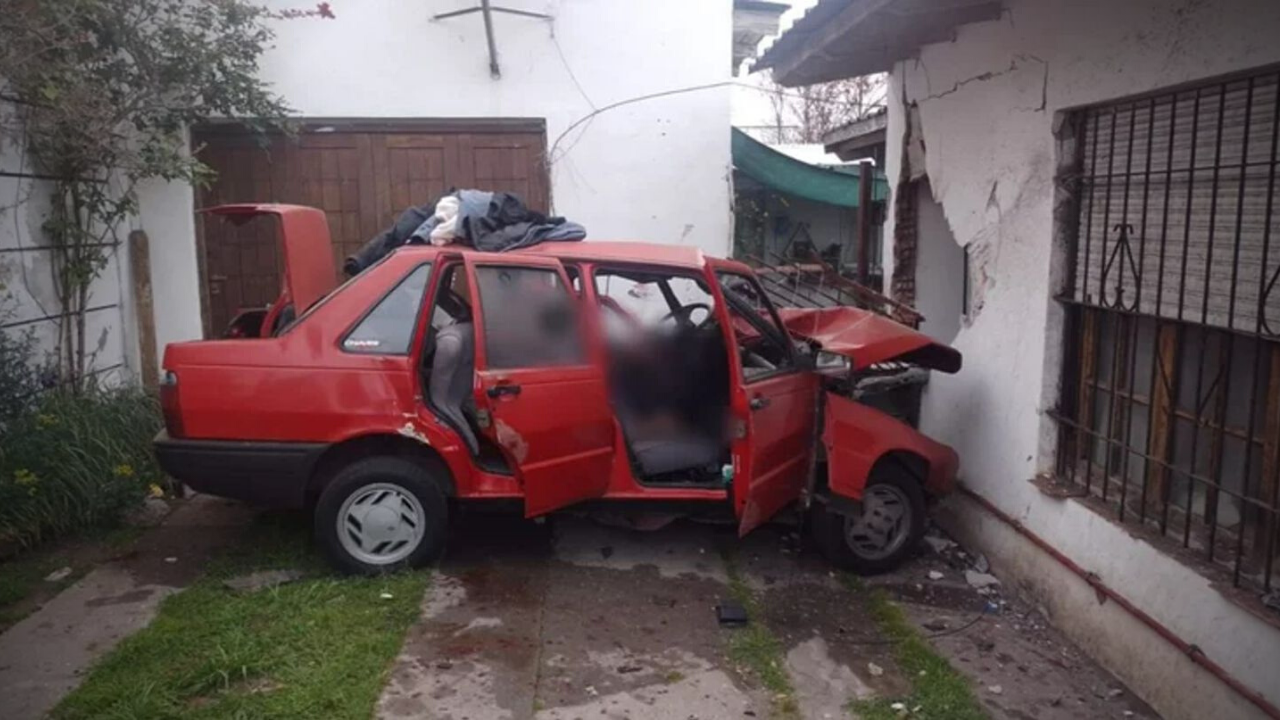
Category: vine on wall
<point>105,91</point>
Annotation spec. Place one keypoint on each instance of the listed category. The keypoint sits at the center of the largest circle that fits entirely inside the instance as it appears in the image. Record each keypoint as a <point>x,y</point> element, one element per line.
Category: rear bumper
<point>263,473</point>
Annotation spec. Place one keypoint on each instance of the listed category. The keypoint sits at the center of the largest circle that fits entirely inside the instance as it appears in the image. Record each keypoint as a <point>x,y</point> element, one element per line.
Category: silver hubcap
<point>381,524</point>
<point>884,525</point>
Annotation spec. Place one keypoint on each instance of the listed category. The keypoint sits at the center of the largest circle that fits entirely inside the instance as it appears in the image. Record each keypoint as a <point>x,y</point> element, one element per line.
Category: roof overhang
<point>753,20</point>
<point>851,38</point>
<point>852,140</point>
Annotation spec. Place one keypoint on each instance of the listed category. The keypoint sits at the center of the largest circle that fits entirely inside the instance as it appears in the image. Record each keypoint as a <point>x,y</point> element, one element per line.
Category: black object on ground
<point>731,614</point>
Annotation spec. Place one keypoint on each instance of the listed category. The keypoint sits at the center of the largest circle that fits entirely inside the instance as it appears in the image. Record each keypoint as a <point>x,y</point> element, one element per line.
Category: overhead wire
<point>553,157</point>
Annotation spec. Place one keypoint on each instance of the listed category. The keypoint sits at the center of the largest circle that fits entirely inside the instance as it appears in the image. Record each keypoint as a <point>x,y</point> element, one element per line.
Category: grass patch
<point>316,648</point>
<point>755,648</point>
<point>940,692</point>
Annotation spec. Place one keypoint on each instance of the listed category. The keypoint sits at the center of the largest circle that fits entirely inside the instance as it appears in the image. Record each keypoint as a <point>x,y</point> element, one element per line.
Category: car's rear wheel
<point>382,514</point>
<point>883,534</point>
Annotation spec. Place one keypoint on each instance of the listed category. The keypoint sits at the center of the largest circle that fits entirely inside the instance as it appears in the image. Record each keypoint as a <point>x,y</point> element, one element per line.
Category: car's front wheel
<point>883,534</point>
<point>382,514</point>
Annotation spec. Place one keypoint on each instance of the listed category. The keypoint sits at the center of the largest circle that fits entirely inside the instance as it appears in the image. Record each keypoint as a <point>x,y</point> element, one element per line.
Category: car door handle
<point>759,403</point>
<point>500,390</point>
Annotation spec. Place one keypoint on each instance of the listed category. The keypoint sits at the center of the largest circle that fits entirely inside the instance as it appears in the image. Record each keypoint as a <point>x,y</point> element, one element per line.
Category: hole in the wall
<point>942,268</point>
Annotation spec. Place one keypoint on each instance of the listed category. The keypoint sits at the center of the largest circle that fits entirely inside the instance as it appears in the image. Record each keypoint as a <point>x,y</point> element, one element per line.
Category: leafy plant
<point>105,91</point>
<point>75,459</point>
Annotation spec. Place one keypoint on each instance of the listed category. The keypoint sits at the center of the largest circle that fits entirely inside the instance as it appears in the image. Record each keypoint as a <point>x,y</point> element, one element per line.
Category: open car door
<point>538,395</point>
<point>774,401</point>
<point>306,250</point>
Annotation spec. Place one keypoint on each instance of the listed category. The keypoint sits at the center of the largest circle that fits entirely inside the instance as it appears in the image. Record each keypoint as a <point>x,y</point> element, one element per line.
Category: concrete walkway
<point>43,657</point>
<point>588,621</point>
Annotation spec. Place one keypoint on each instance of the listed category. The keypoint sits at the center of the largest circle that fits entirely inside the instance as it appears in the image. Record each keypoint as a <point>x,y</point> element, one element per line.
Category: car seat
<point>452,376</point>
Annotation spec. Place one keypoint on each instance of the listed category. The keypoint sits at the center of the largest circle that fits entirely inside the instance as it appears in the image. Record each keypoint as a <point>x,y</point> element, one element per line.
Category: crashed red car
<point>625,374</point>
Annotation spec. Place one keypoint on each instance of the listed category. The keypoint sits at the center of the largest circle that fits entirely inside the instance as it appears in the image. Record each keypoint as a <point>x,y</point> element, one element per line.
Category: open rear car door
<point>538,395</point>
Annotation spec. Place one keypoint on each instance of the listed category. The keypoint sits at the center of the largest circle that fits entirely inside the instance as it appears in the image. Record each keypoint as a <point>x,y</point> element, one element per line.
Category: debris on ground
<point>261,580</point>
<point>1012,645</point>
<point>149,513</point>
<point>58,575</point>
<point>980,580</point>
<point>940,545</point>
<point>731,614</point>
<point>935,575</point>
<point>874,669</point>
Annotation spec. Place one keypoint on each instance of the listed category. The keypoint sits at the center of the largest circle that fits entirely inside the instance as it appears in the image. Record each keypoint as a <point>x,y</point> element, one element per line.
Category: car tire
<point>383,514</point>
<point>889,530</point>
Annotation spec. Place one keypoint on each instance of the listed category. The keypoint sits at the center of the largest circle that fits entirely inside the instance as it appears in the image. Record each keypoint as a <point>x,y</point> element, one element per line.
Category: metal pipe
<point>1193,652</point>
<point>864,223</point>
<point>494,71</point>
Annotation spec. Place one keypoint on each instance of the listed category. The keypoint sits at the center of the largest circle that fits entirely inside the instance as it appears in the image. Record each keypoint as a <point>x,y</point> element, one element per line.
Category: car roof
<point>642,253</point>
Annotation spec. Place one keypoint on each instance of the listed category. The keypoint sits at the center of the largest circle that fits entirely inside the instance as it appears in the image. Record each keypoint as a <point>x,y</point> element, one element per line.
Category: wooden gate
<point>363,175</point>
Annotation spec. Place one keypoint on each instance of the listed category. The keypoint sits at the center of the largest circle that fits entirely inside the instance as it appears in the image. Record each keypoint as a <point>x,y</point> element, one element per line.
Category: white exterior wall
<point>987,103</point>
<point>28,296</point>
<point>655,170</point>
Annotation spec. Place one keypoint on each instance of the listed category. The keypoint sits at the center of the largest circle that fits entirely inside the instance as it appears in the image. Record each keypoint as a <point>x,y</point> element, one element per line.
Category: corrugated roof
<point>849,38</point>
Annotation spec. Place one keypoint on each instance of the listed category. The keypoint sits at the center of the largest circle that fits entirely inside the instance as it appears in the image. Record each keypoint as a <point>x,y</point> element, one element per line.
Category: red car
<point>629,374</point>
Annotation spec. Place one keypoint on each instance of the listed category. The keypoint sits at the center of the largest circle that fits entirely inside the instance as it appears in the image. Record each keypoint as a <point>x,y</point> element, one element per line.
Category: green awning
<point>792,177</point>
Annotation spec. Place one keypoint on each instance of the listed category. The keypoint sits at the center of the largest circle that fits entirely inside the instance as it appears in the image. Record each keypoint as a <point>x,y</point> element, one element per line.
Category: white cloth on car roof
<point>447,215</point>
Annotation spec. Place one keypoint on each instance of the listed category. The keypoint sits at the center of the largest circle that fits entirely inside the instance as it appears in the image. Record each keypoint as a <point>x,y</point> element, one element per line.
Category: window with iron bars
<point>1170,407</point>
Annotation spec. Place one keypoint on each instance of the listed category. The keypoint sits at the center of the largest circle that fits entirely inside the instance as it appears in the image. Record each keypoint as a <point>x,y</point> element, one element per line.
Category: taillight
<point>169,404</point>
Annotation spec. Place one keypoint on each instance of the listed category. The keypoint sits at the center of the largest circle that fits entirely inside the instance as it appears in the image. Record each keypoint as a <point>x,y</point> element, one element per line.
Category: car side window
<point>387,329</point>
<point>761,339</point>
<point>530,318</point>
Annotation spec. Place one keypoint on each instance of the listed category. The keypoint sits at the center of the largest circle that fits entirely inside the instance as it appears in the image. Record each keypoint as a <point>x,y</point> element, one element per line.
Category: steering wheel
<point>684,315</point>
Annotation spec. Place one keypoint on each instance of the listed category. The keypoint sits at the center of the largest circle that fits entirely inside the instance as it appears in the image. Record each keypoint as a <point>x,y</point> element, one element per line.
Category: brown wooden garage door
<point>362,175</point>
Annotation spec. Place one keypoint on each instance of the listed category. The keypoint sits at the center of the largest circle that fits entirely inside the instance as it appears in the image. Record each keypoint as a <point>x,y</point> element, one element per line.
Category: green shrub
<point>75,459</point>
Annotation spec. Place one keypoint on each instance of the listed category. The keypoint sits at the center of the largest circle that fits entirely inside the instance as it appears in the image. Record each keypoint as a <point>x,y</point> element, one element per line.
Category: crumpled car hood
<point>867,338</point>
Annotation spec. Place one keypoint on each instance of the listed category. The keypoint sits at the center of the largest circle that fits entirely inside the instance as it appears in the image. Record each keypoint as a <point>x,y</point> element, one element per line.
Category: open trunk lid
<point>309,272</point>
<point>867,338</point>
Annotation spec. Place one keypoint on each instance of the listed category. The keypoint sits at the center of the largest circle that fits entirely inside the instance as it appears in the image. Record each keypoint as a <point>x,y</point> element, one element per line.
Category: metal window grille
<point>1170,407</point>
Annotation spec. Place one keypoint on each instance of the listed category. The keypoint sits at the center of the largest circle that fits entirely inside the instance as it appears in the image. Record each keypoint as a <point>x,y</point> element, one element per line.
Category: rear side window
<point>388,328</point>
<point>530,318</point>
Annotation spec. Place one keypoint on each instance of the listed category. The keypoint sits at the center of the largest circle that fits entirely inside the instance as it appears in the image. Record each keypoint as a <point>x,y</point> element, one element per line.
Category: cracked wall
<point>986,108</point>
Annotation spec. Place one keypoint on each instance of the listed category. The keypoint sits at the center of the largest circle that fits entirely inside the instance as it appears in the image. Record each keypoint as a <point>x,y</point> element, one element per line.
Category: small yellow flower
<point>25,477</point>
<point>45,420</point>
<point>123,470</point>
<point>155,491</point>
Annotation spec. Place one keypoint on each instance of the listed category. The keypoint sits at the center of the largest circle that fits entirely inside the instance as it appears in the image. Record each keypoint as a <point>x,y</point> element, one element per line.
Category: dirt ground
<point>1022,668</point>
<point>575,619</point>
